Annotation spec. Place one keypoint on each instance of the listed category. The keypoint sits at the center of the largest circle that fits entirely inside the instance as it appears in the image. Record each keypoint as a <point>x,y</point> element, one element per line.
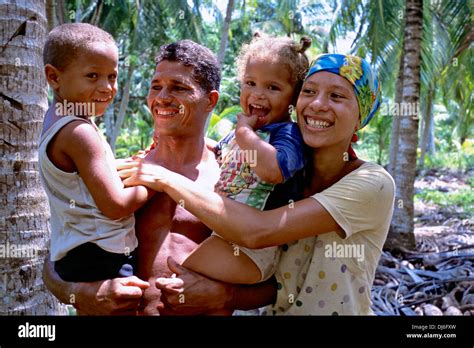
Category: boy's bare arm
<point>266,165</point>
<point>80,142</point>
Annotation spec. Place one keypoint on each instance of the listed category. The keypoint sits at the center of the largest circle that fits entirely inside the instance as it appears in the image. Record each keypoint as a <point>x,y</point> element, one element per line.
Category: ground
<point>438,277</point>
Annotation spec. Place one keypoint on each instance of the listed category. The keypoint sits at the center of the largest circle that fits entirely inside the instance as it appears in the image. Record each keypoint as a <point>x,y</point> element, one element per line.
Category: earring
<point>354,138</point>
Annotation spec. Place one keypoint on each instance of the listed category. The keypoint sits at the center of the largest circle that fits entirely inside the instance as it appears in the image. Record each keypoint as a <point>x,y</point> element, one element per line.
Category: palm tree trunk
<point>24,211</point>
<point>51,13</point>
<point>225,32</point>
<point>402,229</point>
<point>395,134</point>
<point>123,108</point>
<point>78,12</point>
<point>61,12</point>
<point>427,125</point>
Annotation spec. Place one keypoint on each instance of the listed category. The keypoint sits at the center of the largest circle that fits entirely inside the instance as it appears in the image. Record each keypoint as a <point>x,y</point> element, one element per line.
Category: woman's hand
<point>144,173</point>
<point>189,293</point>
<point>125,163</point>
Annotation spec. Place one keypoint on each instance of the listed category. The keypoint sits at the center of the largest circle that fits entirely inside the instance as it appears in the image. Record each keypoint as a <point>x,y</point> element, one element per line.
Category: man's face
<point>178,104</point>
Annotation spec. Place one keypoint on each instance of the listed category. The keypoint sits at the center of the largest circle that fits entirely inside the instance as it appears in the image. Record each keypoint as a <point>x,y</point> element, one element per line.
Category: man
<point>183,92</point>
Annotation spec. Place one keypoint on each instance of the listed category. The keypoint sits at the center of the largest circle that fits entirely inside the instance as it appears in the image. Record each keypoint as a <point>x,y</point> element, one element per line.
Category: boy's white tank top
<point>75,218</point>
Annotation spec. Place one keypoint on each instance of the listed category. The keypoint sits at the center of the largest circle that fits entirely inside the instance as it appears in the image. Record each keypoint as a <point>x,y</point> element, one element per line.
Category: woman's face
<point>327,109</point>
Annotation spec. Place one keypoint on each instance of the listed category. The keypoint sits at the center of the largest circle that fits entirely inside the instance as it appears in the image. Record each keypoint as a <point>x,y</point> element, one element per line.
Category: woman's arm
<point>235,221</point>
<point>190,293</point>
<point>119,296</point>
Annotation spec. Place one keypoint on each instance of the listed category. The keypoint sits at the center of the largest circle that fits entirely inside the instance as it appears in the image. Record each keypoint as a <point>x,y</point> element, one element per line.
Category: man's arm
<point>190,293</point>
<point>119,296</point>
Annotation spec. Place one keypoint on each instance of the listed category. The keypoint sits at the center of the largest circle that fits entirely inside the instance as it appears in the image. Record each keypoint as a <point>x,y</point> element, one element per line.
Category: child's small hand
<point>244,120</point>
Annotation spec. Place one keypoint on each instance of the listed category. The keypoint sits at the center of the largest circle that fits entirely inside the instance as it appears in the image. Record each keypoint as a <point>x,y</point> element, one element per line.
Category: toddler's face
<point>267,91</point>
<point>90,80</point>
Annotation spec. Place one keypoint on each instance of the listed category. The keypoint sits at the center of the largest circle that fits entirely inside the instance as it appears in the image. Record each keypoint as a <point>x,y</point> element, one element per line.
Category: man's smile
<point>166,112</point>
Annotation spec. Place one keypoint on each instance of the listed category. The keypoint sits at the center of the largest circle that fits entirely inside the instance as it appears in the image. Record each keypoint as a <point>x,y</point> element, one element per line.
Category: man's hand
<point>119,296</point>
<point>189,293</point>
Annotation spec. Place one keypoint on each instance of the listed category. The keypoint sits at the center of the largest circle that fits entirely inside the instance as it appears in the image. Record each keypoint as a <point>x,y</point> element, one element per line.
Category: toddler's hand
<point>244,120</point>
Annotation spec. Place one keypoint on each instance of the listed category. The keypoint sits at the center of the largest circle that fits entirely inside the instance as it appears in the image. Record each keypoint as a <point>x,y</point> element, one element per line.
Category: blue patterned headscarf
<point>358,72</point>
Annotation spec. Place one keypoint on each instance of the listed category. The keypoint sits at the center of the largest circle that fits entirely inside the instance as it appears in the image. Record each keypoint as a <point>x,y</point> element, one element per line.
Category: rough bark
<point>402,228</point>
<point>24,210</point>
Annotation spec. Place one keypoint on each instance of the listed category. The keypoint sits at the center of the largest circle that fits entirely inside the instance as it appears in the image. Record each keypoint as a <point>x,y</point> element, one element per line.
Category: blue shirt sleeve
<point>287,140</point>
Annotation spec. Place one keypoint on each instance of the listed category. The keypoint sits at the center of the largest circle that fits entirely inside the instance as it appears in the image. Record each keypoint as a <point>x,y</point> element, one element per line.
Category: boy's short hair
<point>65,42</point>
<point>206,68</point>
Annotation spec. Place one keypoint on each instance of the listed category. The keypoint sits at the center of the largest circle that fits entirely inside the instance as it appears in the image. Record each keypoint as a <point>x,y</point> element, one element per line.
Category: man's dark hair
<point>206,69</point>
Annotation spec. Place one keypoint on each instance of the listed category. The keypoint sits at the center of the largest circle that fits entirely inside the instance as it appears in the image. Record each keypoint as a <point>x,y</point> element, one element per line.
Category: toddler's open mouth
<point>258,110</point>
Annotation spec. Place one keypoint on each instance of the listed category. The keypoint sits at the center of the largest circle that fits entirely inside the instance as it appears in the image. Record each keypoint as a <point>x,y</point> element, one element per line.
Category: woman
<point>332,239</point>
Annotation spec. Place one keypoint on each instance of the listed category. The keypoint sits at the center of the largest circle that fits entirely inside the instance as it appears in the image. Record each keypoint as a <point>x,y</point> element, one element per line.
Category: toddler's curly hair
<point>279,49</point>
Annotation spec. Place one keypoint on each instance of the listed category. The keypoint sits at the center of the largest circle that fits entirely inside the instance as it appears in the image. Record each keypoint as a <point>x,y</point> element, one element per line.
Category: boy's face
<point>91,78</point>
<point>267,91</point>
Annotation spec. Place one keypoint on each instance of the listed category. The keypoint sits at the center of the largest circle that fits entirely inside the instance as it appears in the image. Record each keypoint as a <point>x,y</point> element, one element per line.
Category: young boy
<point>92,222</point>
